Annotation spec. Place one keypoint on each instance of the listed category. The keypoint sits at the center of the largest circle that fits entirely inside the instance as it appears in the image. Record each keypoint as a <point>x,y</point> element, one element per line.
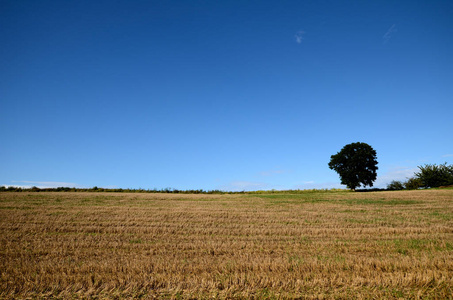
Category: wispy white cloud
<point>42,184</point>
<point>299,36</point>
<point>388,35</point>
<point>447,155</point>
<point>110,187</point>
<point>244,186</point>
<point>398,173</point>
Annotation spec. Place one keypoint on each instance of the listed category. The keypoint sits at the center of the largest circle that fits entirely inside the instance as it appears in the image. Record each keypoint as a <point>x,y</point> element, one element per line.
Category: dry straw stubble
<point>303,245</point>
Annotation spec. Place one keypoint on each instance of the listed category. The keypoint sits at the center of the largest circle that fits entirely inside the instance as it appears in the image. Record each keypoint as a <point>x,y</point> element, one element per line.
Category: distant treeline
<point>166,190</point>
<point>117,190</point>
<point>429,176</point>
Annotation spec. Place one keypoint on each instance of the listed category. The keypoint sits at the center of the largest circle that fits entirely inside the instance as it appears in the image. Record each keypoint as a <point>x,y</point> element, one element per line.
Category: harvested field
<point>331,244</point>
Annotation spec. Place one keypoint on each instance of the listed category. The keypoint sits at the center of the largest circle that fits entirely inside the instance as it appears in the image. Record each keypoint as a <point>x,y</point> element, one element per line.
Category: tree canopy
<point>435,175</point>
<point>356,164</point>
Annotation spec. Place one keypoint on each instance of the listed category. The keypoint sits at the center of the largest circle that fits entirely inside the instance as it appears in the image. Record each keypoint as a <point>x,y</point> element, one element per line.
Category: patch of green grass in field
<point>408,246</point>
<point>216,200</point>
<point>355,221</point>
<point>380,202</point>
<point>57,213</point>
<point>326,197</point>
<point>285,196</point>
<point>443,246</point>
<point>266,294</point>
<point>442,215</point>
<point>443,188</point>
<point>398,293</point>
<point>15,207</point>
<point>98,201</point>
<point>449,246</point>
<point>295,259</point>
<point>312,222</point>
<point>135,241</point>
<point>353,211</point>
<point>62,233</point>
<point>417,244</point>
<point>283,199</point>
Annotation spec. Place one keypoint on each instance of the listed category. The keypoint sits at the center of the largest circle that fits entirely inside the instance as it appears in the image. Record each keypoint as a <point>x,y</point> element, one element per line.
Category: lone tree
<point>356,164</point>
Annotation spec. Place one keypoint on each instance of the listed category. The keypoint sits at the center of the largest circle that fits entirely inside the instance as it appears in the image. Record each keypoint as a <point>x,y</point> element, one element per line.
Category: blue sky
<point>231,95</point>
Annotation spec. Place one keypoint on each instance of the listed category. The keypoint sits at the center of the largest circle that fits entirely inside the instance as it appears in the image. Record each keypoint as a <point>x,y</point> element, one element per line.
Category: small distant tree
<point>356,164</point>
<point>413,183</point>
<point>435,175</point>
<point>395,185</point>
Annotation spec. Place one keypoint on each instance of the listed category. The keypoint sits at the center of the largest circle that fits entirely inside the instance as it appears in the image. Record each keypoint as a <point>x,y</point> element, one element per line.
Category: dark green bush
<point>413,183</point>
<point>395,186</point>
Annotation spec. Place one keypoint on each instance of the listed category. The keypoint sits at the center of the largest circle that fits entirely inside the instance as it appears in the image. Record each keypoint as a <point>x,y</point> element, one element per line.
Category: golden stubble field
<point>331,244</point>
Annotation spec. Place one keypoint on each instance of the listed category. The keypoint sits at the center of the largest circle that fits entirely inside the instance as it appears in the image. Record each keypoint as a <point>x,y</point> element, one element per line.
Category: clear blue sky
<point>232,95</point>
